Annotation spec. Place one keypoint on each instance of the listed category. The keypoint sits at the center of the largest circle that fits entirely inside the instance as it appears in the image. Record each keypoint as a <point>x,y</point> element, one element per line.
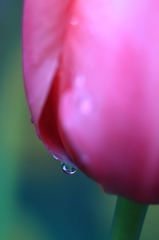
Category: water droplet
<point>68,169</point>
<point>55,157</point>
<point>84,158</point>
<point>32,121</point>
<point>85,106</point>
<point>79,81</point>
<point>74,20</point>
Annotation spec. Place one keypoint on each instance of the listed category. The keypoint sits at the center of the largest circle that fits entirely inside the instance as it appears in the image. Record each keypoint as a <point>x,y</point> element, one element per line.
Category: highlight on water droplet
<point>68,169</point>
<point>55,157</point>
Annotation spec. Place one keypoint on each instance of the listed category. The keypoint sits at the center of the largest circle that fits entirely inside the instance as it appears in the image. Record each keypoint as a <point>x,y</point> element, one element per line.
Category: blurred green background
<point>37,200</point>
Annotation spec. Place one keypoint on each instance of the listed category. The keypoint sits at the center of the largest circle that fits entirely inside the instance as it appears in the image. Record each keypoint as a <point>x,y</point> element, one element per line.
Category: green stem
<point>128,220</point>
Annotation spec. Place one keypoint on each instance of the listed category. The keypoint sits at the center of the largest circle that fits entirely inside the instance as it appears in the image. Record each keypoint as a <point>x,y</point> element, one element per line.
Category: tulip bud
<point>91,71</point>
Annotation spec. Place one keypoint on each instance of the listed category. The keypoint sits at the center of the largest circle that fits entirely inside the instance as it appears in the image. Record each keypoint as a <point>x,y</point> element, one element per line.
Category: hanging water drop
<point>68,169</point>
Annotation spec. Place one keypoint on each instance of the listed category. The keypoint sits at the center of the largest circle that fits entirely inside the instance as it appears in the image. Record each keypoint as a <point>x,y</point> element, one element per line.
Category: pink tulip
<point>91,70</point>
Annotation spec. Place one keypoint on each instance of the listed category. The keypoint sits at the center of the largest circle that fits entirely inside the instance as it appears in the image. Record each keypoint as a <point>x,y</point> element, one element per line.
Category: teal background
<point>37,200</point>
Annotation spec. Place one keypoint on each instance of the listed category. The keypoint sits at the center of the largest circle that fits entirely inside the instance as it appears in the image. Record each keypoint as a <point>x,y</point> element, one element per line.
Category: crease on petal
<point>43,29</point>
<point>44,25</point>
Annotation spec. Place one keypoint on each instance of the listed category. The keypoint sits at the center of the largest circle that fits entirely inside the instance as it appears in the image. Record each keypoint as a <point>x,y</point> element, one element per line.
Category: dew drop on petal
<point>79,81</point>
<point>32,121</point>
<point>85,106</point>
<point>73,20</point>
<point>68,169</point>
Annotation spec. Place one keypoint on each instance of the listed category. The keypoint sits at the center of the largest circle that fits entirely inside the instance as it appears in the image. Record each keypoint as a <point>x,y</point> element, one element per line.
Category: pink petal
<point>91,75</point>
<point>109,104</point>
